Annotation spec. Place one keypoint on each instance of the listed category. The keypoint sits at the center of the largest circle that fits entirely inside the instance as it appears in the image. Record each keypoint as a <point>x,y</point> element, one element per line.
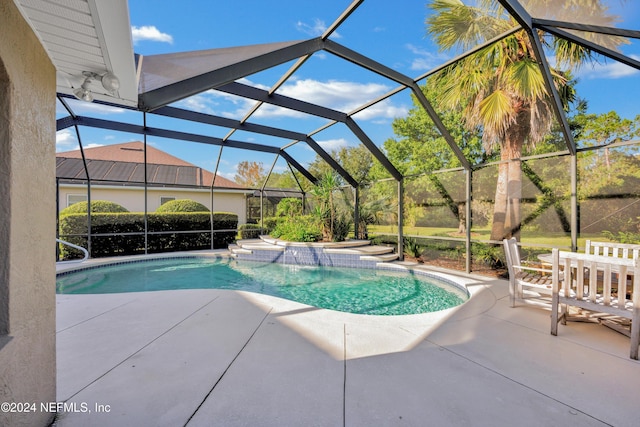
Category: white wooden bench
<point>612,249</point>
<point>527,283</point>
<point>576,282</point>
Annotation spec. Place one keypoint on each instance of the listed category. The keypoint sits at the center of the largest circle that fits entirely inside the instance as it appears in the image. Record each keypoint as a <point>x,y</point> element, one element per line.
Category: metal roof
<point>124,163</point>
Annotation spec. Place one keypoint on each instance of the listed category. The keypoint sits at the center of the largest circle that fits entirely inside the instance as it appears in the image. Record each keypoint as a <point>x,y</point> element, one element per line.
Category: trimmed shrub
<point>270,223</point>
<point>97,206</point>
<point>180,231</point>
<point>301,229</point>
<point>250,231</point>
<point>182,205</point>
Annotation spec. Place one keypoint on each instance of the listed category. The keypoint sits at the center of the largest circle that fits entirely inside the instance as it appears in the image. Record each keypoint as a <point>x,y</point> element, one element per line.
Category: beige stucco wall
<point>27,226</point>
<point>132,198</point>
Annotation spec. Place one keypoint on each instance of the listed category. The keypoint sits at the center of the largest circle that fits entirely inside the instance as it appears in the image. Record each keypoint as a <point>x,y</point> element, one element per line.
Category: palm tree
<point>501,88</point>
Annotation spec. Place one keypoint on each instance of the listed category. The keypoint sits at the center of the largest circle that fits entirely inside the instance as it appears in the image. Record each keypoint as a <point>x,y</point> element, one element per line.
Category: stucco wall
<point>132,198</point>
<point>27,226</point>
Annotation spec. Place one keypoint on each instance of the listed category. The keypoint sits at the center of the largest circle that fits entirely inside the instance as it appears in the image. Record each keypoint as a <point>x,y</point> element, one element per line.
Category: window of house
<point>164,200</point>
<point>75,198</point>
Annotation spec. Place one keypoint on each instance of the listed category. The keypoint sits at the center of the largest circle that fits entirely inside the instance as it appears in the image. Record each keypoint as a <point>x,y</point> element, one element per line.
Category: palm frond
<point>540,121</point>
<point>526,79</point>
<point>497,112</point>
<point>456,25</point>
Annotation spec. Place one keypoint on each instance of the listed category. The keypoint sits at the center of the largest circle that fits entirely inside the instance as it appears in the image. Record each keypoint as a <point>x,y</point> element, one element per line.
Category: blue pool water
<point>360,291</point>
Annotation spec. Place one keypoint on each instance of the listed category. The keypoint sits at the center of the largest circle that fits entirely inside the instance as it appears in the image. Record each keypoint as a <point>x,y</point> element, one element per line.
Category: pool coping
<point>456,281</point>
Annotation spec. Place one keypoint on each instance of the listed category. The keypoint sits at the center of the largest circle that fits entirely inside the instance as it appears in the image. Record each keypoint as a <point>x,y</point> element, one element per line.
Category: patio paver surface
<point>229,358</point>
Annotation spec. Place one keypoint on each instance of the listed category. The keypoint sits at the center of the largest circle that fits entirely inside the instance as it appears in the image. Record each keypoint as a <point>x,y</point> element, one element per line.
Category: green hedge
<point>120,243</point>
<point>250,231</point>
<point>97,206</point>
<point>182,205</point>
<point>304,228</point>
<point>271,222</point>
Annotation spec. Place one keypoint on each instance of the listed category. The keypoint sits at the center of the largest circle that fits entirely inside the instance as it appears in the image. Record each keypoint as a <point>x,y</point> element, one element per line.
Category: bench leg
<point>512,292</point>
<point>554,314</point>
<point>635,332</point>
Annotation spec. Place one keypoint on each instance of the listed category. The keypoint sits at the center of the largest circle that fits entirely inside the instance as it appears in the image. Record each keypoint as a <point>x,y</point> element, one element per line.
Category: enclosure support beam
<point>146,185</point>
<point>273,165</point>
<point>356,211</point>
<point>373,148</point>
<point>329,159</point>
<point>616,56</point>
<point>184,136</point>
<point>86,171</point>
<point>431,112</point>
<point>556,102</point>
<point>400,219</point>
<point>213,183</point>
<point>261,212</point>
<point>467,209</point>
<point>156,98</point>
<point>57,217</point>
<point>574,202</point>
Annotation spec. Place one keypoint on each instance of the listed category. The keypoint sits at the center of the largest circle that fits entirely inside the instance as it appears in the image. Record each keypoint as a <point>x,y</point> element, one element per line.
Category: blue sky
<point>392,33</point>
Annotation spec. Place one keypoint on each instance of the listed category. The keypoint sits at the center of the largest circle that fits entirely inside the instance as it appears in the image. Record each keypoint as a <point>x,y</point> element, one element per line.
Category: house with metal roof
<point>118,173</point>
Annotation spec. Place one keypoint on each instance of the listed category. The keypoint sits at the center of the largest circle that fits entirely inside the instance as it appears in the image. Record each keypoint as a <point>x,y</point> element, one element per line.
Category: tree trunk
<point>462,218</point>
<point>506,211</point>
<point>500,201</point>
<point>514,196</point>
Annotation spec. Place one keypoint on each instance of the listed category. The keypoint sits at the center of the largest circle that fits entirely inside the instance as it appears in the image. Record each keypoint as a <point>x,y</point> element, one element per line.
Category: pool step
<point>236,249</point>
<point>380,258</point>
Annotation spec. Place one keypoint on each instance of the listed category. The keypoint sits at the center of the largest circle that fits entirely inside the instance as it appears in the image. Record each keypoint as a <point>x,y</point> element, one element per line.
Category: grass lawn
<point>535,239</point>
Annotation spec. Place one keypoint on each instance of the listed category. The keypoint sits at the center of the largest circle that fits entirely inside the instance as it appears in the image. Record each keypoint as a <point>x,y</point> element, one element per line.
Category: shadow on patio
<point>213,357</point>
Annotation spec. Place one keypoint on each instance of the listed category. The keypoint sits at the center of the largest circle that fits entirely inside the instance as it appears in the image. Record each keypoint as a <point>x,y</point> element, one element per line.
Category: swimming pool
<point>360,291</point>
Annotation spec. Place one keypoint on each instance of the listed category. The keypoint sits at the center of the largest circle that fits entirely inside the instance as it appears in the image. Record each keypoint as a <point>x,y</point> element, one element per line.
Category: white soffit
<point>86,35</point>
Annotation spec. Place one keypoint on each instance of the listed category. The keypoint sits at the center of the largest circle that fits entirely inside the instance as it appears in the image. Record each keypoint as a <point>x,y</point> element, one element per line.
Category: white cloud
<point>342,96</point>
<point>610,70</point>
<point>424,60</point>
<point>66,140</point>
<point>93,145</point>
<point>330,145</point>
<point>383,109</point>
<point>151,33</point>
<point>339,95</point>
<point>317,28</point>
<point>229,175</point>
<point>248,82</point>
<point>200,103</point>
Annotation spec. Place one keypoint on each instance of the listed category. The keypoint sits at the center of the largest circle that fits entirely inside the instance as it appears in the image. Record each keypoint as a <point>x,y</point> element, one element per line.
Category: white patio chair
<point>527,283</point>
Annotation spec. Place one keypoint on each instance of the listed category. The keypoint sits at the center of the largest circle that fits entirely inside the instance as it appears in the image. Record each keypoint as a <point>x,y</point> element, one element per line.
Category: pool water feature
<point>360,291</point>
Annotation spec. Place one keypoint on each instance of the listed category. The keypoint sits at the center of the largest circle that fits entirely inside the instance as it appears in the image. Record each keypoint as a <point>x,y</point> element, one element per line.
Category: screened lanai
<point>576,181</point>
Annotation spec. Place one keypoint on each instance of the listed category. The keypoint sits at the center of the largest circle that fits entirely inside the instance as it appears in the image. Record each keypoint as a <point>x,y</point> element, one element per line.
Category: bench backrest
<point>597,293</point>
<point>589,278</point>
<point>512,254</point>
<point>612,249</point>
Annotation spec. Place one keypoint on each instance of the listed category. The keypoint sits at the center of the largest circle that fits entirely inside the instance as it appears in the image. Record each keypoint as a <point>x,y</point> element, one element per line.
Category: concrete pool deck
<point>229,358</point>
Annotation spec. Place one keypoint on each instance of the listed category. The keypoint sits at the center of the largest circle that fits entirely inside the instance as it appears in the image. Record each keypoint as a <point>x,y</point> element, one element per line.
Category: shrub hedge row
<point>180,232</point>
<point>250,231</point>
